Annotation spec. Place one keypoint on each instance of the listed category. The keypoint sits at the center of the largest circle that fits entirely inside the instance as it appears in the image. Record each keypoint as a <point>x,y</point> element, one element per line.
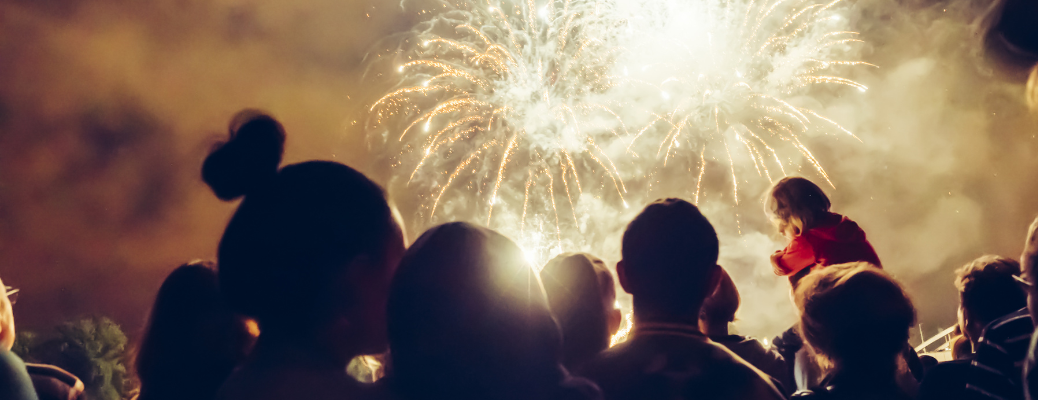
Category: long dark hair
<point>193,339</point>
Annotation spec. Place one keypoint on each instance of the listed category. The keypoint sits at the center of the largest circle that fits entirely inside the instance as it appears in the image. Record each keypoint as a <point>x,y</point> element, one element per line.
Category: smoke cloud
<point>107,109</point>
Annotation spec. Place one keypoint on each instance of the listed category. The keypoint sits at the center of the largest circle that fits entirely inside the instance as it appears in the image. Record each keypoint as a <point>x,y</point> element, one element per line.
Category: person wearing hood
<point>817,236</point>
<point>718,312</point>
<point>468,319</point>
<point>582,296</point>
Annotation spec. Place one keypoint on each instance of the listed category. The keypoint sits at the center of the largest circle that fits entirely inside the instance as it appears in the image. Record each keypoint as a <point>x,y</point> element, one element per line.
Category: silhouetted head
<point>987,291</point>
<point>468,319</point>
<point>855,315</point>
<point>582,297</point>
<point>312,245</point>
<point>719,309</point>
<point>193,340</point>
<point>795,204</point>
<point>669,259</point>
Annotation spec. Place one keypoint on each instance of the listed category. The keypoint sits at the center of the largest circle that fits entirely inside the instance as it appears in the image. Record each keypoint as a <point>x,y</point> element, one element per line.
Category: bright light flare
<point>732,77</point>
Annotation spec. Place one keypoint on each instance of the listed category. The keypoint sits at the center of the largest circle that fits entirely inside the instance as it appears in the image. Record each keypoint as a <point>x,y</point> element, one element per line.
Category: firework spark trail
<point>732,70</point>
<point>528,75</point>
<point>702,169</point>
<point>499,101</point>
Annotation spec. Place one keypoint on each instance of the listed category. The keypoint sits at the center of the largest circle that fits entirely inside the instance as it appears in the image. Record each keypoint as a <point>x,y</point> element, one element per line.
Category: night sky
<point>108,107</point>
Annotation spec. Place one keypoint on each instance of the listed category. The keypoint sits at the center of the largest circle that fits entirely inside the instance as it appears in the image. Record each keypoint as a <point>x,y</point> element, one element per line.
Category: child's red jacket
<point>836,240</point>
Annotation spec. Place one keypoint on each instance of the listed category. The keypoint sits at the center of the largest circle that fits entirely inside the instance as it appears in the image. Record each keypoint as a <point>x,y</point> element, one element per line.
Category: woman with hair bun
<point>308,254</point>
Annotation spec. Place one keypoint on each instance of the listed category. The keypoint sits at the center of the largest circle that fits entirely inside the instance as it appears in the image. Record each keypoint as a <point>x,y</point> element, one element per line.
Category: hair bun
<point>249,159</point>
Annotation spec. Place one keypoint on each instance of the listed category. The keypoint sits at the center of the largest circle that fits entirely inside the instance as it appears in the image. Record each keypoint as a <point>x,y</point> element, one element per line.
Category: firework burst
<point>725,79</point>
<point>515,112</point>
<point>504,101</point>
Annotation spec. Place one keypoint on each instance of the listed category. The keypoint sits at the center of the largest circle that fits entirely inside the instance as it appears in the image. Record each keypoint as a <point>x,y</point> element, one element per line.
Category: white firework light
<point>516,113</point>
<point>727,77</point>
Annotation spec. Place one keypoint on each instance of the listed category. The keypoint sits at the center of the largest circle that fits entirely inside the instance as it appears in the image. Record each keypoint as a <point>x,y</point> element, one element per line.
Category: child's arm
<point>776,263</point>
<point>796,256</point>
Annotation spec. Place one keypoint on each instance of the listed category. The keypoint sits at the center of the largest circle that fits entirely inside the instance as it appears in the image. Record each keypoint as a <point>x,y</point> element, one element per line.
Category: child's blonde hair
<point>795,204</point>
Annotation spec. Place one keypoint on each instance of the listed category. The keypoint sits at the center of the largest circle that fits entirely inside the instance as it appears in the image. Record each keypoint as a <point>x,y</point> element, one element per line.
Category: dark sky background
<point>108,107</point>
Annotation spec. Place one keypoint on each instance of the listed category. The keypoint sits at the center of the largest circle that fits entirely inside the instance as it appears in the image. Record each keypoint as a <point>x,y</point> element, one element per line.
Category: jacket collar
<point>669,329</point>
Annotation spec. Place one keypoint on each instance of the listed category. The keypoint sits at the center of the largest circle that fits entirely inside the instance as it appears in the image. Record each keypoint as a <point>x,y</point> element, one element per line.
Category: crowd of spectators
<point>313,271</point>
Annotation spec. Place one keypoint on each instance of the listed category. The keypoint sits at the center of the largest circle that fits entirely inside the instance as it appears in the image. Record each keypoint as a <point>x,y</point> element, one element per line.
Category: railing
<point>943,335</point>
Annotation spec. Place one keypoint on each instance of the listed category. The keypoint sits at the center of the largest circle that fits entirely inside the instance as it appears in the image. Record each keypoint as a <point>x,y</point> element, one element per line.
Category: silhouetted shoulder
<point>14,380</point>
<point>767,360</point>
<point>676,367</point>
<point>278,382</point>
<point>748,382</point>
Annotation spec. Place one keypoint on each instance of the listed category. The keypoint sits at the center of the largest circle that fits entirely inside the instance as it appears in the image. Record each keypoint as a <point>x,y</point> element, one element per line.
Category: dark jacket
<point>667,361</point>
<point>768,360</point>
<point>854,389</point>
<point>946,381</point>
<point>15,383</point>
<point>1030,376</point>
<point>1000,356</point>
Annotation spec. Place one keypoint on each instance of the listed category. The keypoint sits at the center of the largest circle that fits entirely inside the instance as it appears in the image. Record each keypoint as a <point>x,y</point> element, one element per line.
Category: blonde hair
<point>854,312</point>
<point>795,204</point>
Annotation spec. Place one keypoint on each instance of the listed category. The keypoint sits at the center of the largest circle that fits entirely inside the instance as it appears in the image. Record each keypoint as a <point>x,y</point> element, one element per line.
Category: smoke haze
<point>107,109</point>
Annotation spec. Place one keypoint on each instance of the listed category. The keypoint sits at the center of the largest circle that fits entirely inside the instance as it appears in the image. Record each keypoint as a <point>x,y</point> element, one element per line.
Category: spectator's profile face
<point>783,228</point>
<point>372,289</point>
<point>965,327</point>
<point>1032,297</point>
<point>7,333</point>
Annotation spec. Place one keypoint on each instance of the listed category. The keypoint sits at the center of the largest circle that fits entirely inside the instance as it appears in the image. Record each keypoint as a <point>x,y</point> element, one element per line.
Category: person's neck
<point>715,329</point>
<point>644,314</point>
<point>866,373</point>
<point>304,349</point>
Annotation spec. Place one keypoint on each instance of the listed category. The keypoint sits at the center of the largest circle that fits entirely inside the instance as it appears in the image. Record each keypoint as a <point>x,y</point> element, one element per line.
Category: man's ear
<point>621,275</point>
